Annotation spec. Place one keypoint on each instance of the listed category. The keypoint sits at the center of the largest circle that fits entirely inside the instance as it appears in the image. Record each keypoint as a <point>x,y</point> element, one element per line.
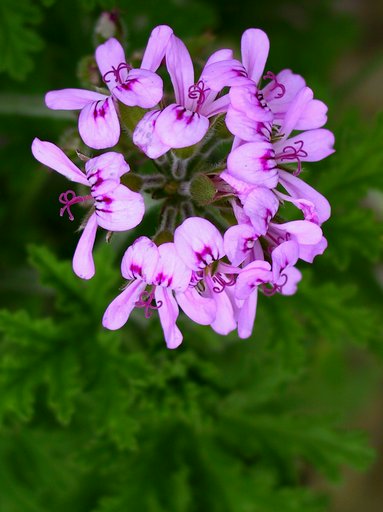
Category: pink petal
<point>156,47</point>
<point>297,107</point>
<point>120,209</point>
<point>98,124</point>
<point>242,188</point>
<point>168,313</point>
<point>179,128</point>
<point>215,107</point>
<point>254,274</point>
<point>202,310</point>
<point>83,264</point>
<point>293,276</point>
<point>254,162</point>
<point>309,252</point>
<point>218,56</point>
<point>245,99</point>
<point>104,172</point>
<point>110,55</point>
<point>224,321</point>
<point>246,315</point>
<point>297,188</point>
<point>305,232</point>
<point>180,68</point>
<point>198,243</point>
<point>226,73</point>
<point>118,311</point>
<point>146,138</point>
<point>284,255</point>
<point>243,126</point>
<point>314,116</point>
<point>239,242</point>
<point>311,146</point>
<point>52,156</point>
<point>260,206</point>
<point>71,99</point>
<point>255,47</point>
<point>171,270</point>
<point>142,88</point>
<point>140,260</point>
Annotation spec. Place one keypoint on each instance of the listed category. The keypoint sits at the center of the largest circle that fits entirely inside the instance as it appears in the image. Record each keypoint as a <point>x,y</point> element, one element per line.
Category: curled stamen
<point>294,153</point>
<point>198,92</point>
<point>69,198</point>
<point>222,283</point>
<point>145,301</point>
<point>116,72</point>
<point>275,287</point>
<point>277,85</point>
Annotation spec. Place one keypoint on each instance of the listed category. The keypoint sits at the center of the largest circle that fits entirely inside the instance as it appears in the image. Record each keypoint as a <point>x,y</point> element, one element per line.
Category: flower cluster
<point>227,149</point>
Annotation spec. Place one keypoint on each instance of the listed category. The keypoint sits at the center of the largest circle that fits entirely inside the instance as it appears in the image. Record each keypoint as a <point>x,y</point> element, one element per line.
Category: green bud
<point>202,190</point>
<point>184,153</point>
<point>88,73</point>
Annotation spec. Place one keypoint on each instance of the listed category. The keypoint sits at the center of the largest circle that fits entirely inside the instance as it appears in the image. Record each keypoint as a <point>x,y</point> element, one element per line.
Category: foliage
<point>100,421</point>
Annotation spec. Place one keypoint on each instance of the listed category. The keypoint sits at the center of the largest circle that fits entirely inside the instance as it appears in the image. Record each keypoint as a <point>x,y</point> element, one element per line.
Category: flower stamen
<point>145,301</point>
<point>69,198</point>
<point>294,153</point>
<point>116,72</point>
<point>277,85</point>
<point>222,283</point>
<point>198,92</point>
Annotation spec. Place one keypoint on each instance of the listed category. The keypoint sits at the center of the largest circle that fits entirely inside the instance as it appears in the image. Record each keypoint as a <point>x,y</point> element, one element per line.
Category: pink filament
<point>222,283</point>
<point>68,201</point>
<point>198,92</point>
<point>275,287</point>
<point>277,85</point>
<point>116,72</point>
<point>145,301</point>
<point>294,153</point>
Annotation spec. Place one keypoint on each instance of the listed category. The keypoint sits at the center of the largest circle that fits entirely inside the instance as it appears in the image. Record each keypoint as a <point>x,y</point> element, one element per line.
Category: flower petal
<point>140,260</point>
<point>309,252</point>
<point>292,84</point>
<point>224,321</point>
<point>293,276</point>
<point>171,271</point>
<point>83,264</point>
<point>198,243</point>
<point>98,124</point>
<point>104,172</point>
<point>284,255</point>
<point>179,128</point>
<point>52,156</point>
<point>142,88</point>
<point>303,231</point>
<point>297,107</point>
<point>146,138</point>
<point>156,47</point>
<point>109,57</point>
<point>118,311</point>
<point>246,315</point>
<point>225,73</point>
<point>202,310</point>
<point>260,206</point>
<point>239,242</point>
<point>314,116</point>
<point>120,209</point>
<point>180,68</point>
<point>168,313</point>
<point>298,189</point>
<point>255,47</point>
<point>71,99</point>
<point>254,162</point>
<point>254,274</point>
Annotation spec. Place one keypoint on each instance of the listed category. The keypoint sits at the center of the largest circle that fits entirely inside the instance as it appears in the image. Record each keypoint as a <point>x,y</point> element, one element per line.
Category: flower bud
<point>202,190</point>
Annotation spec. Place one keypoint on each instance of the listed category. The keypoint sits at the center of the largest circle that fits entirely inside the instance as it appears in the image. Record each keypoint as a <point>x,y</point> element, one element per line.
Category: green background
<point>289,420</point>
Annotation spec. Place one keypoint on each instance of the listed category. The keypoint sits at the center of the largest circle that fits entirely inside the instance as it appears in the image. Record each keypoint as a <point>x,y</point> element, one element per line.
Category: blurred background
<point>290,420</point>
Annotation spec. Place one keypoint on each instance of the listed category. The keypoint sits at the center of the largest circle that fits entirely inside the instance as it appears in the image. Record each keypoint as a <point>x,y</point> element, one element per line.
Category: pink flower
<point>200,245</point>
<point>155,275</point>
<point>185,122</point>
<point>99,126</point>
<point>116,207</point>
